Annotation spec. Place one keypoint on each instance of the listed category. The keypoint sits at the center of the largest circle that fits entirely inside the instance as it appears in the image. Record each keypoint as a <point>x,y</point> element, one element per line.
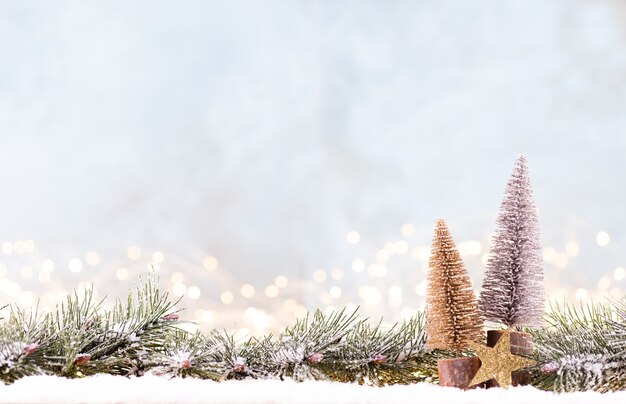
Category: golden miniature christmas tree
<point>452,319</point>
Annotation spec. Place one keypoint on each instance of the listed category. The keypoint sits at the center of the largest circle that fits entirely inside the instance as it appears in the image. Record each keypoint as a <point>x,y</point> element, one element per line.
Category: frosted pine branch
<point>187,355</point>
<point>139,335</point>
<point>582,348</point>
<point>586,372</point>
<point>370,355</point>
<point>299,349</point>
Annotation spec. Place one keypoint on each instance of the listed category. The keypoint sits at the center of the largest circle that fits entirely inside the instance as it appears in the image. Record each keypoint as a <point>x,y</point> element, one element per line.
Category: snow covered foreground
<point>153,389</point>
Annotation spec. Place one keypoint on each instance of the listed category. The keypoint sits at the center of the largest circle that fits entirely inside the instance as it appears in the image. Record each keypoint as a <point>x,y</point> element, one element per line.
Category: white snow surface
<point>154,389</point>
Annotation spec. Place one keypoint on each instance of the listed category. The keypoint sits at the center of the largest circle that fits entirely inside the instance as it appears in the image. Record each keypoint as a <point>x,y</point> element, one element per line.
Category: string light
<point>401,247</point>
<point>358,265</point>
<point>560,260</point>
<point>75,265</point>
<point>407,230</point>
<point>387,263</point>
<point>335,292</point>
<point>26,298</point>
<point>395,296</point>
<point>377,270</point>
<point>29,246</point>
<point>27,272</point>
<point>421,253</point>
<point>336,274</point>
<point>572,248</point>
<point>319,275</point>
<point>19,247</point>
<point>353,237</point>
<point>325,298</point>
<point>290,305</point>
<point>179,289</point>
<point>602,238</point>
<point>92,258</point>
<point>177,277</point>
<point>227,297</point>
<point>210,263</point>
<point>121,273</point>
<point>470,247</point>
<point>300,311</point>
<point>281,281</point>
<point>194,292</point>
<point>43,277</point>
<point>549,254</point>
<point>134,253</point>
<point>207,317</point>
<point>7,248</point>
<point>420,289</point>
<point>158,257</point>
<point>271,291</point>
<point>47,265</point>
<point>604,283</point>
<point>247,291</point>
<point>372,295</point>
<point>382,256</point>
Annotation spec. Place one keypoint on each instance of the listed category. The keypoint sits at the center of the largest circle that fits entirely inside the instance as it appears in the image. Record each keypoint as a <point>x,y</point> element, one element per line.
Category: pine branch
<point>139,327</point>
<point>301,347</point>
<point>249,359</point>
<point>582,348</point>
<point>187,355</point>
<point>80,339</point>
<point>370,355</point>
<point>20,354</point>
<point>141,335</point>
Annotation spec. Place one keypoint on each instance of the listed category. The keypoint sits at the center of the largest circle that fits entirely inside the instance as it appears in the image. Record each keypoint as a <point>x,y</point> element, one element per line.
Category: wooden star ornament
<point>498,362</point>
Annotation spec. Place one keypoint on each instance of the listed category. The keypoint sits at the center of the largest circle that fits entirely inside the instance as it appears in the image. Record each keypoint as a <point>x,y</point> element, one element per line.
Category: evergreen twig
<point>581,348</point>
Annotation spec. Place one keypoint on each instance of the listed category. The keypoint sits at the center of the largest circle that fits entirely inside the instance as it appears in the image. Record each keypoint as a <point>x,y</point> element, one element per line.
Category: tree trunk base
<point>458,372</point>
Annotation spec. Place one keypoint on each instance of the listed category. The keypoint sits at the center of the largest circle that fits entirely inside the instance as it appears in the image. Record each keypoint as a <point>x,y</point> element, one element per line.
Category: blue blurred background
<point>267,158</point>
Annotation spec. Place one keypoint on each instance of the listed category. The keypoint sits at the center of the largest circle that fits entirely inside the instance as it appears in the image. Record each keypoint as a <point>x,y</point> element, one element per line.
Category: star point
<point>498,362</point>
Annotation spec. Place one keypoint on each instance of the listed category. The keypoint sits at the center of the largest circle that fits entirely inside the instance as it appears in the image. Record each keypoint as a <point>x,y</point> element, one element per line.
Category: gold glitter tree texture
<point>453,319</point>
